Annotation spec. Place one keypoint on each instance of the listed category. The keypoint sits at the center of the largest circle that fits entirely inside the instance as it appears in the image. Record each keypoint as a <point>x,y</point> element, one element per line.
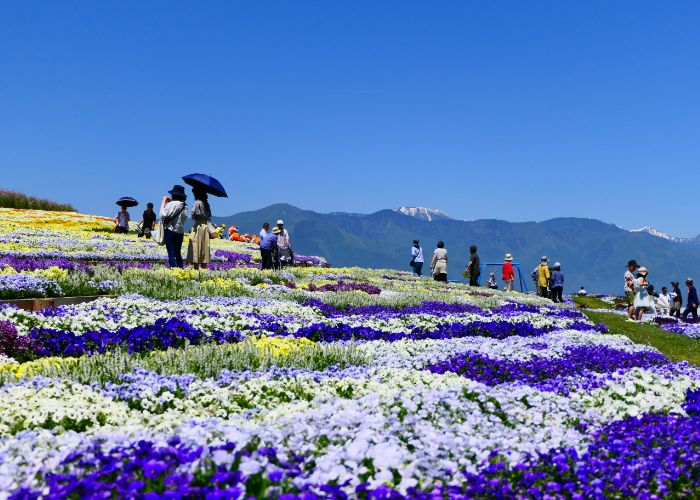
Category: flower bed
<point>338,383</point>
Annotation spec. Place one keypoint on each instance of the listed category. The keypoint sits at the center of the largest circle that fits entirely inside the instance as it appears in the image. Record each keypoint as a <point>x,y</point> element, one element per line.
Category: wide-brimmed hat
<point>689,279</point>
<point>557,264</point>
<point>643,271</point>
<point>276,230</point>
<point>178,190</point>
<point>509,257</point>
<point>632,263</point>
<point>544,258</point>
<point>675,283</point>
<point>280,221</point>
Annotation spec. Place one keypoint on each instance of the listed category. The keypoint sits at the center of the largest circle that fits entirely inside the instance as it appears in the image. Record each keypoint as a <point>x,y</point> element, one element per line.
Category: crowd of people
<point>275,246</point>
<point>642,297</point>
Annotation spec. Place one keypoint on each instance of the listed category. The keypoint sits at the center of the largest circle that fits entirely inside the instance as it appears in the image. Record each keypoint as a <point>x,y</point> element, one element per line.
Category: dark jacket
<point>475,268</point>
<point>679,295</point>
<point>692,296</point>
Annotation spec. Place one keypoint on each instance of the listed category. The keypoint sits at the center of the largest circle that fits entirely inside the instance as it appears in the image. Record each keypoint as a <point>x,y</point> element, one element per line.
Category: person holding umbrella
<point>198,250</point>
<point>173,213</point>
<point>122,219</point>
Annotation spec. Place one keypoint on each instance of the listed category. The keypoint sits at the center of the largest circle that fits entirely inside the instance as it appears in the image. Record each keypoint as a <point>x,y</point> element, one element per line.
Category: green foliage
<point>13,199</point>
<point>592,303</point>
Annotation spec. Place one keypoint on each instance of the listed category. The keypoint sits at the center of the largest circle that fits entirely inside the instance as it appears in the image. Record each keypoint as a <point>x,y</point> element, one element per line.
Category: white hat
<point>509,257</point>
<point>557,264</point>
<point>544,258</point>
<point>689,279</point>
<point>643,271</point>
<point>280,221</point>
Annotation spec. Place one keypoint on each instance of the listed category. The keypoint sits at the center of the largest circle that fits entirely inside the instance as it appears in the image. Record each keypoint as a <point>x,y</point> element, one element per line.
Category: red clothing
<point>508,273</point>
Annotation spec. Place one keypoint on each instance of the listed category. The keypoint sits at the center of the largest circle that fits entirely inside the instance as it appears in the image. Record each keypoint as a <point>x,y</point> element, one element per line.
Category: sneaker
<point>630,320</point>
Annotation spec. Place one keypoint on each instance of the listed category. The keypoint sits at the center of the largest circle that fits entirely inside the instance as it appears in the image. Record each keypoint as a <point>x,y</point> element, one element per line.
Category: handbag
<point>212,230</point>
<point>412,263</point>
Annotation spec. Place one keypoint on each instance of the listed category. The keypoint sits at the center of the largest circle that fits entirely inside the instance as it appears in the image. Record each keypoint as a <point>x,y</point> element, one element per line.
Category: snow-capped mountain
<point>660,234</point>
<point>422,213</point>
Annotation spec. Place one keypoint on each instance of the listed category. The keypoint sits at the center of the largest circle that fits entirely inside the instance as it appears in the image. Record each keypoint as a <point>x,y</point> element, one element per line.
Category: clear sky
<point>512,110</point>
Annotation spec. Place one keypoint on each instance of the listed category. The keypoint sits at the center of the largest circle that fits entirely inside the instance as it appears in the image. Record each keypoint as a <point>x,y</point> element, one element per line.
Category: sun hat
<point>643,271</point>
<point>557,264</point>
<point>178,190</point>
<point>689,279</point>
<point>280,221</point>
<point>509,257</point>
<point>493,274</point>
<point>276,230</point>
<point>544,258</point>
<point>675,283</point>
<point>632,263</point>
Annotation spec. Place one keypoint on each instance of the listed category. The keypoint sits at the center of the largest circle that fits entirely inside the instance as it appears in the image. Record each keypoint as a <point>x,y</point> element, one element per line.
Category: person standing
<point>173,213</point>
<point>284,246</point>
<point>198,249</point>
<point>417,259</point>
<point>664,301</point>
<point>691,307</point>
<point>642,300</point>
<point>265,229</point>
<point>677,297</point>
<point>438,265</point>
<point>148,220</point>
<point>557,283</point>
<point>473,267</point>
<point>543,276</point>
<point>632,266</point>
<point>508,273</point>
<point>268,246</point>
<point>121,220</point>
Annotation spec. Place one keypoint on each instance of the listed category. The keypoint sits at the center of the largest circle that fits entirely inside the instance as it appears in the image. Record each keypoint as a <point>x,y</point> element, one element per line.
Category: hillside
<point>592,253</point>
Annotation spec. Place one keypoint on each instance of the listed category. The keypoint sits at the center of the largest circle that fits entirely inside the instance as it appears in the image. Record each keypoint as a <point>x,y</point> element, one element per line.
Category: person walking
<point>284,247</point>
<point>417,259</point>
<point>473,268</point>
<point>508,273</point>
<point>664,300</point>
<point>265,229</point>
<point>642,299</point>
<point>691,307</point>
<point>173,213</point>
<point>632,266</point>
<point>438,265</point>
<point>557,283</point>
<point>148,220</point>
<point>543,276</point>
<point>268,247</point>
<point>677,297</point>
<point>198,248</point>
<point>121,221</point>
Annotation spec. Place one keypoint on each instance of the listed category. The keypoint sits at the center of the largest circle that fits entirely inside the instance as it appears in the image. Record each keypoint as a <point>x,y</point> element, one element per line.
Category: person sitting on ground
<point>417,259</point>
<point>582,292</point>
<point>629,291</point>
<point>122,221</point>
<point>543,276</point>
<point>268,247</point>
<point>508,273</point>
<point>492,282</point>
<point>148,221</point>
<point>692,302</point>
<point>557,283</point>
<point>438,265</point>
<point>664,301</point>
<point>642,299</point>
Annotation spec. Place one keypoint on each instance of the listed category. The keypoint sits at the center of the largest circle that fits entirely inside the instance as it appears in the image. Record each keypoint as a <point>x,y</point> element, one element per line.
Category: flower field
<point>317,383</point>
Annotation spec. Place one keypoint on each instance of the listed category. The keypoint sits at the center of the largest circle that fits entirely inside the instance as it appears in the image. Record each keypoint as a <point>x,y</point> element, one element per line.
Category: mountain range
<point>593,253</point>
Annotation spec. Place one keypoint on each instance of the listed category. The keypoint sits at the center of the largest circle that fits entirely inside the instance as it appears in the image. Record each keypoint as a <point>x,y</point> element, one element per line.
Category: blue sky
<point>510,110</point>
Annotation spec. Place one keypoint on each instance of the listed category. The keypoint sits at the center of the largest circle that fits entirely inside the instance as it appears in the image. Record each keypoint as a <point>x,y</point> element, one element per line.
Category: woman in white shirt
<point>173,213</point>
<point>417,258</point>
<point>439,262</point>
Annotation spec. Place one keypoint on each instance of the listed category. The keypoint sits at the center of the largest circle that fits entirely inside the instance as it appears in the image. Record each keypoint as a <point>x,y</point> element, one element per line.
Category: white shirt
<point>664,301</point>
<point>263,233</point>
<point>283,239</point>
<point>417,254</point>
<point>177,225</point>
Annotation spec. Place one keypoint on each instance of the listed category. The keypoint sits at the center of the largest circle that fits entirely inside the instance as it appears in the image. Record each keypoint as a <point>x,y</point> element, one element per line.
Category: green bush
<point>13,199</point>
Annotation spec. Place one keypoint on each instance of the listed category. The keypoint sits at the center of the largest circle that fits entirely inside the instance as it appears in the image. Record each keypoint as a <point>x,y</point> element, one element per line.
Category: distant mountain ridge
<point>593,253</point>
<point>422,213</point>
<point>695,240</point>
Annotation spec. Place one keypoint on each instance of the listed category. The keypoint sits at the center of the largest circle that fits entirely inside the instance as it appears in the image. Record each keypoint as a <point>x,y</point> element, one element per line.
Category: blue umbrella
<point>127,201</point>
<point>206,182</point>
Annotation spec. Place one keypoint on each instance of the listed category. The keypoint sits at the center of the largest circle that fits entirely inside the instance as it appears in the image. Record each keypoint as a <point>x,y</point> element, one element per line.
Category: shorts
<point>630,298</point>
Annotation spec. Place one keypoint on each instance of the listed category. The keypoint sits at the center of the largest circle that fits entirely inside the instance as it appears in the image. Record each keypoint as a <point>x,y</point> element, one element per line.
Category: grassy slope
<point>12,199</point>
<point>675,346</point>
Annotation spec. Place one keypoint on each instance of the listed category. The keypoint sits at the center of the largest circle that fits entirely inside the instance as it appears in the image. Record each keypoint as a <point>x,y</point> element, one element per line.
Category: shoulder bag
<point>164,221</point>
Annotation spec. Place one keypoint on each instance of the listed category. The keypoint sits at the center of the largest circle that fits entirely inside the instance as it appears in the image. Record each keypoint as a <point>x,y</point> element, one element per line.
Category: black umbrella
<point>127,201</point>
<point>206,182</point>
